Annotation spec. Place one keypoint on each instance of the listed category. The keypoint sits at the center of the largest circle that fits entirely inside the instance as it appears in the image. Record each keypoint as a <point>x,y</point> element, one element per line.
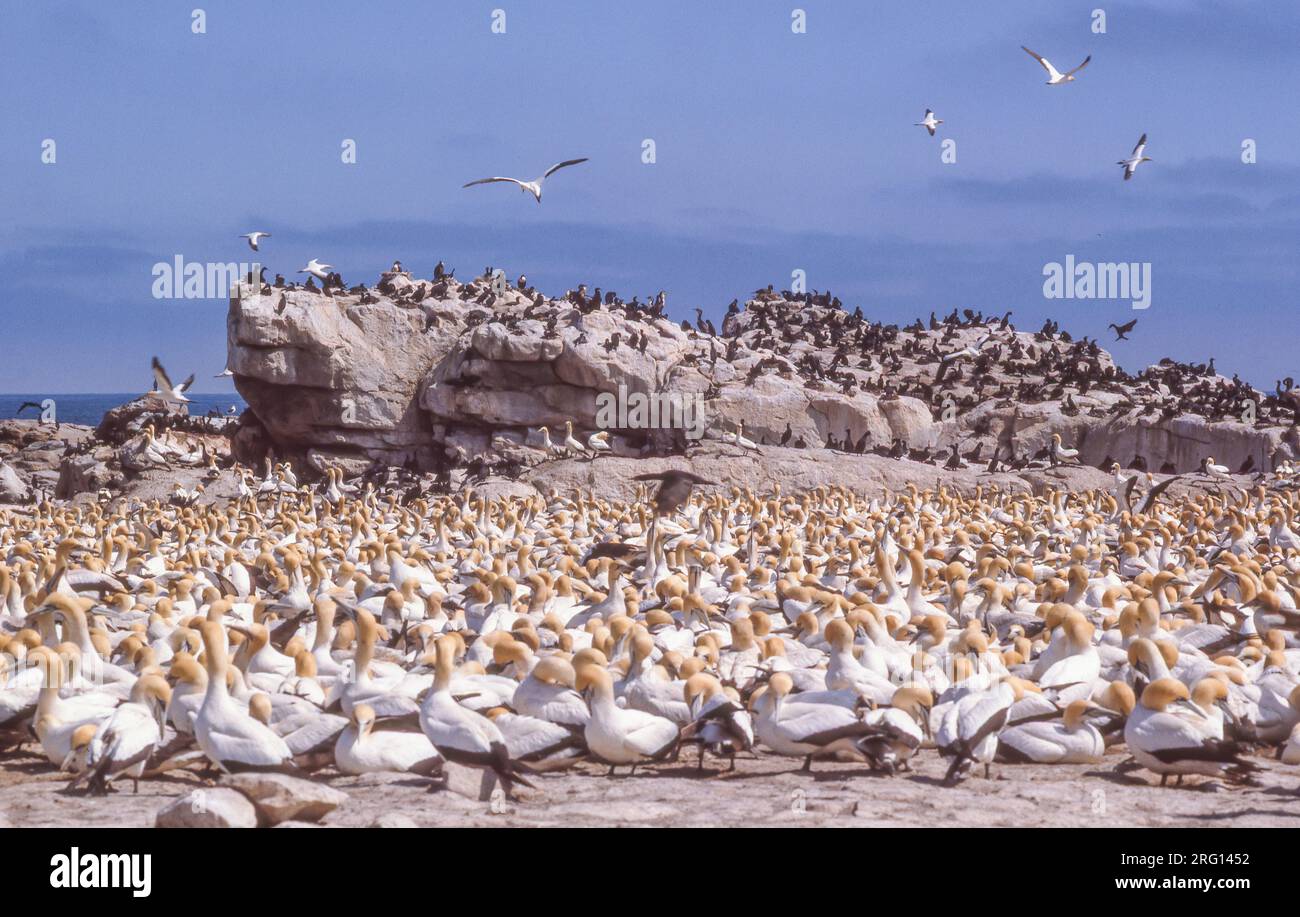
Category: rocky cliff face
<point>426,371</point>
<point>330,376</point>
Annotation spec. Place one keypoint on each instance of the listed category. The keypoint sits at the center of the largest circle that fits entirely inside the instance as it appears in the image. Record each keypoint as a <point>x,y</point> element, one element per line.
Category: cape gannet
<point>254,238</point>
<point>163,388</point>
<point>1055,77</point>
<point>533,187</point>
<point>317,269</point>
<point>1136,158</point>
<point>929,122</point>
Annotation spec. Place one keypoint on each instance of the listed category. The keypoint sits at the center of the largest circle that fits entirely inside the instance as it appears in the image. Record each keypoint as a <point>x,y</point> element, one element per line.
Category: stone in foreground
<point>208,808</point>
<point>279,798</point>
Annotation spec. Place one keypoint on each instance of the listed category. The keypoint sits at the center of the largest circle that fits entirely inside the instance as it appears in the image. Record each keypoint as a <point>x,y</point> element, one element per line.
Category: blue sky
<point>775,152</point>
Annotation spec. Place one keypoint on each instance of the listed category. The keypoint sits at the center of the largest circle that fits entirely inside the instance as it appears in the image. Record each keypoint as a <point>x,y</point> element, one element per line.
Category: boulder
<point>126,420</point>
<point>279,797</point>
<point>216,807</point>
<point>12,488</point>
<point>329,371</point>
<point>82,474</point>
<point>351,463</point>
<point>251,441</point>
<point>470,782</point>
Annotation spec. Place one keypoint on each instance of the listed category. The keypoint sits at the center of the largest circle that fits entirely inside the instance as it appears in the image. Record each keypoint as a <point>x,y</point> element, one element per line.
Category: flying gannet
<point>534,187</point>
<point>1136,159</point>
<point>1054,76</point>
<point>929,122</point>
<point>172,394</point>
<point>316,269</point>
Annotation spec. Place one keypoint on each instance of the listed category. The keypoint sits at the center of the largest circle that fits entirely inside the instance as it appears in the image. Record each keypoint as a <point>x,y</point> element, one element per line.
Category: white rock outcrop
<point>429,371</point>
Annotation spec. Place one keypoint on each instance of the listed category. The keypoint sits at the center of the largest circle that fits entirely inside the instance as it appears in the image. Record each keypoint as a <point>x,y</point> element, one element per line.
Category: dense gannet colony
<point>307,631</point>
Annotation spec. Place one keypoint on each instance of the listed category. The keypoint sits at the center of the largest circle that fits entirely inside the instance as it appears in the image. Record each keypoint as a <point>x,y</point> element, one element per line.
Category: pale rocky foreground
<point>764,791</point>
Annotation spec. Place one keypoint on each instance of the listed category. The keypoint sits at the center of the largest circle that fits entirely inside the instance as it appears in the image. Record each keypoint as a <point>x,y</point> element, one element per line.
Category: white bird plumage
<point>1054,76</point>
<point>929,122</point>
<point>172,394</point>
<point>1136,158</point>
<point>533,187</point>
<point>316,269</point>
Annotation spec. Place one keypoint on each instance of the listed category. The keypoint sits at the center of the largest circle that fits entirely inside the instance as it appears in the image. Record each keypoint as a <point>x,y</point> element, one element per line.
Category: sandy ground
<point>763,791</point>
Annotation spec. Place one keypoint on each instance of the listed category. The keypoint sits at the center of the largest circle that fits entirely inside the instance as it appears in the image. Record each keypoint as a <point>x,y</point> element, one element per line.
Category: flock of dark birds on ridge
<point>1054,367</point>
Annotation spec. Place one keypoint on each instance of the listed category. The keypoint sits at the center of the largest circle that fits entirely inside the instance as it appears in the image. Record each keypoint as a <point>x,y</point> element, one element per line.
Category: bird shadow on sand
<point>824,776</point>
<point>942,782</point>
<point>1121,777</point>
<point>181,778</point>
<point>416,782</point>
<point>623,772</point>
<point>715,773</point>
<point>33,767</point>
<point>689,771</point>
<point>1237,813</point>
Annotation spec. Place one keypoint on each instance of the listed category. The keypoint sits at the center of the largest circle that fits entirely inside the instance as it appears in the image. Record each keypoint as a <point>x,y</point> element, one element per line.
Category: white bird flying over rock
<point>316,269</point>
<point>534,187</point>
<point>255,237</point>
<point>163,388</point>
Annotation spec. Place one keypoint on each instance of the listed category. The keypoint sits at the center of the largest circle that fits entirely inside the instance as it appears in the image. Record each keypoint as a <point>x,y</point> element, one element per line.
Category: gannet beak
<point>58,612</point>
